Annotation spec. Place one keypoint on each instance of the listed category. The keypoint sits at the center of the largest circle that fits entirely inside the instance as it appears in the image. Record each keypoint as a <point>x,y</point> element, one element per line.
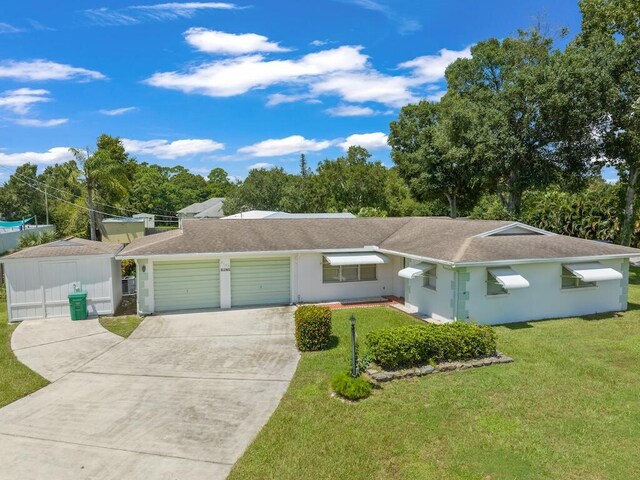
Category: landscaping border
<point>380,376</point>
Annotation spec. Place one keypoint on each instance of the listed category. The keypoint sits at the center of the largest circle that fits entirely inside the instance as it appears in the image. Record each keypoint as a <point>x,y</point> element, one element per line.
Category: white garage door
<point>263,281</point>
<point>185,285</point>
<point>58,280</point>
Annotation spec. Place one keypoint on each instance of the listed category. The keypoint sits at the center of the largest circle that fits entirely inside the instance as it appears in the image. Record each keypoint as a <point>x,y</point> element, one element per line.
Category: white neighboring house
<point>40,278</point>
<point>10,237</point>
<point>449,269</point>
<point>211,208</point>
<point>269,214</point>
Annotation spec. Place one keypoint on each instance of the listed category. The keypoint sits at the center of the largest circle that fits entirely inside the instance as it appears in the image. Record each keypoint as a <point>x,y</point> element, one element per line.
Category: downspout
<point>456,290</point>
<point>297,279</point>
<point>137,287</point>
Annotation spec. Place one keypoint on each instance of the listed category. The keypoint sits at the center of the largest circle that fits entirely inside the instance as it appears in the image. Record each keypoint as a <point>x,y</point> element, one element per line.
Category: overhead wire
<point>78,196</point>
<point>79,206</point>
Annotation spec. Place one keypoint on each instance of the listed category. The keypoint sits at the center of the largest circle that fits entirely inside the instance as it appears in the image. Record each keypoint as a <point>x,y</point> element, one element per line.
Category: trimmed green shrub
<point>351,388</point>
<point>313,327</point>
<point>421,344</point>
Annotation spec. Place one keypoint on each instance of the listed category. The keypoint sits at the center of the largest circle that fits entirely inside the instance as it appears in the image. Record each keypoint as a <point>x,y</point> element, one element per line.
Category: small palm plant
<point>31,239</point>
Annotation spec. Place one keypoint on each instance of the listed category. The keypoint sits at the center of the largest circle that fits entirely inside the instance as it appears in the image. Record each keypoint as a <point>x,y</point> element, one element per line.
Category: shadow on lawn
<point>334,341</point>
<point>517,326</point>
<point>607,315</point>
<point>587,318</point>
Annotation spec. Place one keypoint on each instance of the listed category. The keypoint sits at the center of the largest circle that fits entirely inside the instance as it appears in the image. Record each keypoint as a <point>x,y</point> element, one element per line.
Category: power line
<point>78,196</point>
<point>79,206</point>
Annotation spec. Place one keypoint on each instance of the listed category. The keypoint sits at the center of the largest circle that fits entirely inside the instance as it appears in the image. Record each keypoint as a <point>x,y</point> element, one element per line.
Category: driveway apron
<point>182,398</point>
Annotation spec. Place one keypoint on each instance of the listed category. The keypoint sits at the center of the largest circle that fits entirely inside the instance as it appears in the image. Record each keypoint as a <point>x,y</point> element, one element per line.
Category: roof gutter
<point>496,263</point>
<point>58,258</point>
<point>250,253</point>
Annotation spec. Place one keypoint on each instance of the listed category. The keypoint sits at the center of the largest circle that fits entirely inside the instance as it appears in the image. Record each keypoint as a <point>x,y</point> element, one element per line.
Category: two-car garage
<point>215,283</point>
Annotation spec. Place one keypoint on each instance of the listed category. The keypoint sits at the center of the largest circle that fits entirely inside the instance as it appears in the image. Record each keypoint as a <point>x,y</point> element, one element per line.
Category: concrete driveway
<point>182,398</point>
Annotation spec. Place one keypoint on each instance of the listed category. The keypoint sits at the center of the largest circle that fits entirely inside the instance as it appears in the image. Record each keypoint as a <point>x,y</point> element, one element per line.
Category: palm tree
<point>101,174</point>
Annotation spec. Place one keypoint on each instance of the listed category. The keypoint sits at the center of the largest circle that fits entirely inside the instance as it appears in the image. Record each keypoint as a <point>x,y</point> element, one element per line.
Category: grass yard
<point>123,326</point>
<point>16,380</point>
<point>567,408</point>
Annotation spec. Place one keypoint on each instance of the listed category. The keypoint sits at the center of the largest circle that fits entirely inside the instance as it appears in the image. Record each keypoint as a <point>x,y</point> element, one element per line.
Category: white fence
<point>9,238</point>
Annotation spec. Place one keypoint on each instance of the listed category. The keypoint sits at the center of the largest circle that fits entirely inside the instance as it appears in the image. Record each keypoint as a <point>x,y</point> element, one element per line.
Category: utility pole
<point>46,204</point>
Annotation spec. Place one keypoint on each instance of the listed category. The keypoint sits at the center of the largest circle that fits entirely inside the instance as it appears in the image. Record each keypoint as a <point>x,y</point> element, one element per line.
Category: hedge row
<point>422,344</point>
<point>313,327</point>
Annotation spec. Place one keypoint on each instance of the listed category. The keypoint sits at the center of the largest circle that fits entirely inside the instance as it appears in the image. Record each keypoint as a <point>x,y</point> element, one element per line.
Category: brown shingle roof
<point>523,247</point>
<point>210,236</point>
<point>444,239</point>
<point>68,247</point>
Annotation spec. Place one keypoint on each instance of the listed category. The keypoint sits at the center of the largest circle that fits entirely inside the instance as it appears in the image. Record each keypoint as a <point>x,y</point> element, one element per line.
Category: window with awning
<point>351,267</point>
<point>578,275</point>
<point>416,270</point>
<point>501,280</point>
<point>360,258</point>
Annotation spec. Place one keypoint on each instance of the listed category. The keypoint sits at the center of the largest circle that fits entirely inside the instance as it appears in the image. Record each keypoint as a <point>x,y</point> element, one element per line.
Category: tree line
<point>107,181</point>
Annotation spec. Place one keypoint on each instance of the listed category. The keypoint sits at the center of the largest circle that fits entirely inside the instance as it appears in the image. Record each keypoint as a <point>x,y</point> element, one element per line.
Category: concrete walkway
<point>182,398</point>
<point>54,347</point>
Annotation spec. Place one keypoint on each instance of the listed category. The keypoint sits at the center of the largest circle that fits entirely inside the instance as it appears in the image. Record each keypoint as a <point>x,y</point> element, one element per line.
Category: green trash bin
<point>78,305</point>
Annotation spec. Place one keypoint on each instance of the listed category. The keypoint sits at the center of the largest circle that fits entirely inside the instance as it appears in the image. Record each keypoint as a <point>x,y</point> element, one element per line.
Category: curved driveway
<point>182,398</point>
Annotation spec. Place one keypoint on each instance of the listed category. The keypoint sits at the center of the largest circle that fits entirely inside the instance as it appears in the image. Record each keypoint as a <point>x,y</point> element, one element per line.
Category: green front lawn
<point>123,326</point>
<point>567,408</point>
<point>16,380</point>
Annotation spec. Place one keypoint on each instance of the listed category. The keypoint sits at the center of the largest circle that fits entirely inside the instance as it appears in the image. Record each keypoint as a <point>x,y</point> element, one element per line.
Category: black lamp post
<point>354,355</point>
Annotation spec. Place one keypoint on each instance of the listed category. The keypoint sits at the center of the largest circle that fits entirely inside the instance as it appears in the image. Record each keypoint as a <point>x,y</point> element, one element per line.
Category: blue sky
<point>233,84</point>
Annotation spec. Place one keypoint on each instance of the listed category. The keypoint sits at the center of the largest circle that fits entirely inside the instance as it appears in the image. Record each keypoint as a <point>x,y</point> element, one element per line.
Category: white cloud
<point>212,41</point>
<point>8,28</point>
<point>117,111</point>
<point>185,9</point>
<point>21,101</point>
<point>392,90</point>
<point>280,98</point>
<point>431,68</point>
<point>110,18</point>
<point>351,111</point>
<point>229,77</point>
<point>51,156</point>
<point>370,141</point>
<point>34,122</point>
<point>318,43</point>
<point>405,24</point>
<point>285,146</point>
<point>170,150</point>
<point>37,70</point>
<point>161,11</point>
<point>261,166</point>
<point>344,72</point>
<point>35,25</point>
<point>368,86</point>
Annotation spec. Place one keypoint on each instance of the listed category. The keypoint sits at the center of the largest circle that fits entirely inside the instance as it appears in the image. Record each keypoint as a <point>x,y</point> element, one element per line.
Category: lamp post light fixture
<point>354,354</point>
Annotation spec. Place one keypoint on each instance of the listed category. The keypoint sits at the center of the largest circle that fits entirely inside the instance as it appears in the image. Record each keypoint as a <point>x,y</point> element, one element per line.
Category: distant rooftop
<point>123,220</point>
<point>267,214</point>
<point>196,208</point>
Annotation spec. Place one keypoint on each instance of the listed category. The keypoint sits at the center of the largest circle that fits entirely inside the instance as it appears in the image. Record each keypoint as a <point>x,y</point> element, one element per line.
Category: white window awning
<point>416,270</point>
<point>593,272</point>
<point>363,258</point>
<point>508,278</point>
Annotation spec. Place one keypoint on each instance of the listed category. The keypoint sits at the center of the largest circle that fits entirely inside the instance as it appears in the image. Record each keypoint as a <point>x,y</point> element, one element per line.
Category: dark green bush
<point>421,344</point>
<point>313,327</point>
<point>351,388</point>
